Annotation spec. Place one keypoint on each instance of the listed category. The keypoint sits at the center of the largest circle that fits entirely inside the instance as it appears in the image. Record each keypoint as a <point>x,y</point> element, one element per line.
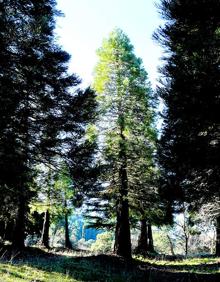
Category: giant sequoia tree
<point>38,120</point>
<point>189,147</point>
<point>126,136</point>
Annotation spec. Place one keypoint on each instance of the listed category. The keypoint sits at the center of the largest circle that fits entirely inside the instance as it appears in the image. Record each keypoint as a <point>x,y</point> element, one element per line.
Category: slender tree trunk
<point>186,240</point>
<point>45,230</point>
<point>142,247</point>
<point>171,246</point>
<point>217,249</point>
<point>68,244</point>
<point>19,231</point>
<point>122,232</point>
<point>186,245</point>
<point>150,238</point>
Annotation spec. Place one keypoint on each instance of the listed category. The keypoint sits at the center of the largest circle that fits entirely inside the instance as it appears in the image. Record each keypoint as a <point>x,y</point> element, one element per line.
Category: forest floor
<point>36,265</point>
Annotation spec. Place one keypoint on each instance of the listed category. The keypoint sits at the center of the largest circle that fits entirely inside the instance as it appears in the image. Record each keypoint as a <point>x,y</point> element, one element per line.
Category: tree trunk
<point>68,244</point>
<point>171,245</point>
<point>122,231</point>
<point>3,228</point>
<point>217,250</point>
<point>45,230</point>
<point>150,239</point>
<point>19,231</point>
<point>186,245</point>
<point>142,247</point>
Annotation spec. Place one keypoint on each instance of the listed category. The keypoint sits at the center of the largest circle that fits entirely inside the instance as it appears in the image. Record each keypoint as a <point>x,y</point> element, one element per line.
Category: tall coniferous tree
<point>7,86</point>
<point>126,136</point>
<point>12,159</point>
<point>189,147</point>
<point>40,122</point>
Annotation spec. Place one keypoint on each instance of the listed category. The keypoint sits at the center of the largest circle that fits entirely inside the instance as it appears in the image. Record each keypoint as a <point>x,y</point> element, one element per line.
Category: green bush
<point>103,243</point>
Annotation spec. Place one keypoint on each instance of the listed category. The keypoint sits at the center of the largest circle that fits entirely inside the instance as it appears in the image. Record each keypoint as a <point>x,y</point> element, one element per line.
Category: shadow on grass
<point>203,267</point>
<point>103,267</point>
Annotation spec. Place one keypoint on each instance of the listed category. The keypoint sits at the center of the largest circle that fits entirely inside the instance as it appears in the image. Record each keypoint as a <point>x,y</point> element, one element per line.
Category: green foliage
<point>83,244</point>
<point>161,241</point>
<point>126,120</point>
<point>38,111</point>
<point>189,146</point>
<point>103,243</point>
<point>55,187</point>
<point>186,229</point>
<point>190,142</point>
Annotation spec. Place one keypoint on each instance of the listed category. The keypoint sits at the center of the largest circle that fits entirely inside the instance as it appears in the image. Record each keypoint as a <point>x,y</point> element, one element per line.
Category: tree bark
<point>45,230</point>
<point>186,245</point>
<point>19,230</point>
<point>142,247</point>
<point>150,238</point>
<point>122,231</point>
<point>217,247</point>
<point>68,244</point>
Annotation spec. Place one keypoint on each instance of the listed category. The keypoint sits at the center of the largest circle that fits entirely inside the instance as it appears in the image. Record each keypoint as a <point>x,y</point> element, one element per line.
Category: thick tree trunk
<point>142,247</point>
<point>68,244</point>
<point>150,238</point>
<point>45,230</point>
<point>19,230</point>
<point>217,249</point>
<point>122,232</point>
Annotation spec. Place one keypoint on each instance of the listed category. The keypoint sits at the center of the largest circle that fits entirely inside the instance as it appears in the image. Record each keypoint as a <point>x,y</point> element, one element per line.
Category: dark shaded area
<point>188,151</point>
<point>106,267</point>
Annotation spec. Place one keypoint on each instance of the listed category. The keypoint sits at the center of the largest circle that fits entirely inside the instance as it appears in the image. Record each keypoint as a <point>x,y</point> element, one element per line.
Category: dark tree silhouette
<point>189,146</point>
<point>37,107</point>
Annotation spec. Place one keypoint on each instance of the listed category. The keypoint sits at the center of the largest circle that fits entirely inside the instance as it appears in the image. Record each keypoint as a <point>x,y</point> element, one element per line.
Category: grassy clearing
<point>194,265</point>
<point>35,265</point>
<point>23,272</point>
<point>69,267</point>
<point>60,271</point>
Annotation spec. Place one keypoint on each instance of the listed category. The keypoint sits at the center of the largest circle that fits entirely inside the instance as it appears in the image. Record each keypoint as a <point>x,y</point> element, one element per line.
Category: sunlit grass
<point>189,261</point>
<point>62,267</point>
<point>35,265</point>
<point>18,272</point>
<point>197,265</point>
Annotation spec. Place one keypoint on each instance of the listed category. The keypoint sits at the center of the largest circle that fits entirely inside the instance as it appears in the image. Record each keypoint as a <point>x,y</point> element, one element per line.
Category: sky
<point>87,22</point>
